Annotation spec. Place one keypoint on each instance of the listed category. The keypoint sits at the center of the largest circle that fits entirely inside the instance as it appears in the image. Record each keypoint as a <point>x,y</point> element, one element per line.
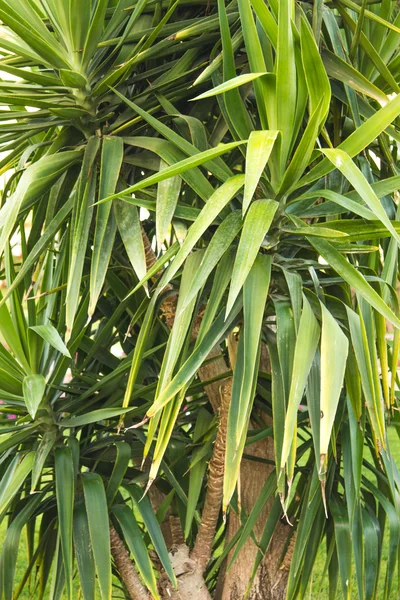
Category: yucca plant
<point>199,321</point>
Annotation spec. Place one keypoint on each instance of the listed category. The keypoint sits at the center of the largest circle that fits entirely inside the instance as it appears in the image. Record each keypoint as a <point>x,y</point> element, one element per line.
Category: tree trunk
<point>189,574</point>
<point>270,581</point>
<point>126,569</point>
<point>271,578</point>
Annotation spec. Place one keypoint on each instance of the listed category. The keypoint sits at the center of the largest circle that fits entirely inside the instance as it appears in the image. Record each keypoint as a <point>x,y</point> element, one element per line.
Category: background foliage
<point>255,146</point>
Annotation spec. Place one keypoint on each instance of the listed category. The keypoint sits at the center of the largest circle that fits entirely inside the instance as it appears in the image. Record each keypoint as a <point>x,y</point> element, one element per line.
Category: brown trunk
<point>126,569</point>
<point>215,485</point>
<point>271,579</point>
<point>191,584</point>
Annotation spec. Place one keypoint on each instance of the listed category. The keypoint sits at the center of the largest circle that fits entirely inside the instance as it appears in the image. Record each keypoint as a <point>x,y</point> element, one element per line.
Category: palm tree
<point>199,321</point>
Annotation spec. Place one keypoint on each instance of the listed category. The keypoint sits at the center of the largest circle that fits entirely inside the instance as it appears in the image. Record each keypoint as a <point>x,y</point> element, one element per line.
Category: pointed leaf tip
<point>259,148</point>
<point>33,389</point>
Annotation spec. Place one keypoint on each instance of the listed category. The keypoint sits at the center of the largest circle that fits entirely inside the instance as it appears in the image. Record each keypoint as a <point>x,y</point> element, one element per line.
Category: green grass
<point>318,589</point>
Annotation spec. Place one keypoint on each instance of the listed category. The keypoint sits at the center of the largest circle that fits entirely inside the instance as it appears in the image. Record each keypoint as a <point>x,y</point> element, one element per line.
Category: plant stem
<point>215,485</point>
<point>126,568</point>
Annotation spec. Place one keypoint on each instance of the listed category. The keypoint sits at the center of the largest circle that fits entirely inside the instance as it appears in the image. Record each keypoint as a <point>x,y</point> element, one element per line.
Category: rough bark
<point>191,584</point>
<point>126,569</point>
<point>212,506</point>
<point>216,367</point>
<point>271,579</point>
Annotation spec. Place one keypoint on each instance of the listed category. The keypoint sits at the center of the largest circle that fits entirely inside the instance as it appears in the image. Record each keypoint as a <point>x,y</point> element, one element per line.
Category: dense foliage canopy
<point>199,236</point>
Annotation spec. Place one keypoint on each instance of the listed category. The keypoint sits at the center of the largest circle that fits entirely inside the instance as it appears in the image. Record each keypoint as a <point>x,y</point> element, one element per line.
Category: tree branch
<point>215,485</point>
<point>126,568</point>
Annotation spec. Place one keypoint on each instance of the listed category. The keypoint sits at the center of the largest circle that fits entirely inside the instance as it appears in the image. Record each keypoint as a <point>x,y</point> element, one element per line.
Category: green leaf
<point>343,544</point>
<point>27,24</point>
<point>179,334</point>
<point>211,210</point>
<point>233,101</point>
<point>306,345</point>
<point>13,480</point>
<point>380,324</point>
<point>217,167</point>
<point>128,223</point>
<point>256,225</point>
<point>324,232</point>
<point>35,180</point>
<point>371,15</point>
<point>33,388</point>
<point>286,88</point>
<point>316,77</point>
<point>45,447</point>
<point>256,58</point>
<point>97,513</point>
<point>142,504</point>
<point>80,234</point>
<point>334,350</point>
<point>9,440</point>
<point>111,161</point>
<point>102,414</point>
<point>343,162</point>
<point>84,552</point>
<point>171,154</point>
<point>216,332</point>
<point>362,353</point>
<point>371,534</point>
<point>134,538</point>
<point>178,168</point>
<point>278,398</point>
<point>344,201</point>
<point>95,31</point>
<point>359,139</point>
<point>338,263</point>
<point>167,198</point>
<point>214,206</point>
<point>65,489</point>
<point>231,84</point>
<point>267,20</point>
<point>72,79</point>
<point>220,283</point>
<point>120,466</point>
<point>303,152</point>
<point>50,335</point>
<point>246,369</point>
<point>259,148</point>
<point>219,244</point>
<point>160,262</point>
<point>255,292</point>
<point>359,230</point>
<point>342,71</point>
